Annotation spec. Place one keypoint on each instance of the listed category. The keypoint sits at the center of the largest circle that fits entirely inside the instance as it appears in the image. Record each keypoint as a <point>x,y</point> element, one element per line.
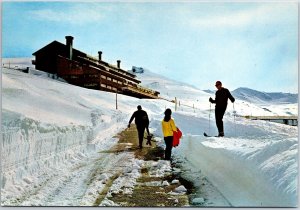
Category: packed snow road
<point>69,187</point>
<point>77,184</point>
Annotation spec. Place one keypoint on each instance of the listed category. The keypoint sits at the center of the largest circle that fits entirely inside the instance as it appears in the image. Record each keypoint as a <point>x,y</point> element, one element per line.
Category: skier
<point>168,127</point>
<point>221,99</point>
<point>141,122</point>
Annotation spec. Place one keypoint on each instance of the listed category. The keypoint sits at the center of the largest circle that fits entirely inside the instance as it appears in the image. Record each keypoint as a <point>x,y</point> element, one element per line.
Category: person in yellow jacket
<point>168,126</point>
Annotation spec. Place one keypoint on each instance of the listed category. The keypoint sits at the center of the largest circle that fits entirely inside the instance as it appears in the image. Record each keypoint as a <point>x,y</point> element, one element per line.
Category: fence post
<point>117,99</point>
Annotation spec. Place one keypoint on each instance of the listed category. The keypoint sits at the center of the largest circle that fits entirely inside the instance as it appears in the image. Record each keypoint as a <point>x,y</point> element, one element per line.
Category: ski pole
<point>234,112</point>
<point>209,118</point>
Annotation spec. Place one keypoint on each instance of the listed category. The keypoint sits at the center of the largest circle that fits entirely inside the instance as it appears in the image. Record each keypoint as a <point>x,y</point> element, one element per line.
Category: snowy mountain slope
<point>56,128</point>
<point>168,88</point>
<point>248,104</point>
<point>258,97</point>
<point>254,96</point>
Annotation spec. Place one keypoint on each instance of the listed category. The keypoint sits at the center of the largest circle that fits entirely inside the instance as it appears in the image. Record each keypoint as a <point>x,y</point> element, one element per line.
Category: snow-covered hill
<point>53,131</point>
<point>251,102</point>
<point>258,97</point>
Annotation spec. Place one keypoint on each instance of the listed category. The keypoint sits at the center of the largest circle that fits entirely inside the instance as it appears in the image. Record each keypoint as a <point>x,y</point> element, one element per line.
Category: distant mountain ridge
<point>255,96</point>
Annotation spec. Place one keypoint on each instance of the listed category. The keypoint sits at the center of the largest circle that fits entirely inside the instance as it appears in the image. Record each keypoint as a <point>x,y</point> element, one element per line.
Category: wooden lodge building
<point>80,69</point>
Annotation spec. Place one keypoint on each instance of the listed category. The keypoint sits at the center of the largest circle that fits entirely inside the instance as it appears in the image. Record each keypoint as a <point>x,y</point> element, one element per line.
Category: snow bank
<point>28,146</point>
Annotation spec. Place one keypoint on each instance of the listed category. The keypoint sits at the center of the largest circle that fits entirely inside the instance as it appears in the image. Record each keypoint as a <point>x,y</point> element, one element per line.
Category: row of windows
<point>90,85</point>
<point>74,77</point>
<point>110,79</point>
<point>108,87</point>
<point>93,76</point>
<point>75,66</point>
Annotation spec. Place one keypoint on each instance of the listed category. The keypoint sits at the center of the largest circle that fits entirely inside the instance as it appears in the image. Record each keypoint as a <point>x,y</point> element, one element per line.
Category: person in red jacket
<point>221,99</point>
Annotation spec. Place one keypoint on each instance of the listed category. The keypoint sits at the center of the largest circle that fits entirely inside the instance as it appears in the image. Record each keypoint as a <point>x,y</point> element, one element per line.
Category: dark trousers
<point>219,113</point>
<point>169,146</point>
<point>141,131</point>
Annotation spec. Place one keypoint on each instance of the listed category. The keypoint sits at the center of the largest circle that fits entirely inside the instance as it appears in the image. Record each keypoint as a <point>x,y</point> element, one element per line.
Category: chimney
<point>69,44</point>
<point>119,63</point>
<point>100,55</point>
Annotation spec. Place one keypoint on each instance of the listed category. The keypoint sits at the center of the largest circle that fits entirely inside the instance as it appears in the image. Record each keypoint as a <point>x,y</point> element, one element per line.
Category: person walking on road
<point>221,99</point>
<point>141,122</point>
<point>168,127</point>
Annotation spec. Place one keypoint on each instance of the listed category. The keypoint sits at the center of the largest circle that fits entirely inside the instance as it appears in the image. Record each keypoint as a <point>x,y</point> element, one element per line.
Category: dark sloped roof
<point>59,46</point>
<point>60,49</point>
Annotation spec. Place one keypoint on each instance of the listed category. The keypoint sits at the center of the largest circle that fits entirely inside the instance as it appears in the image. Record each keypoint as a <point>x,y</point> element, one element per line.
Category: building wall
<point>46,62</point>
<point>88,76</point>
<point>89,73</point>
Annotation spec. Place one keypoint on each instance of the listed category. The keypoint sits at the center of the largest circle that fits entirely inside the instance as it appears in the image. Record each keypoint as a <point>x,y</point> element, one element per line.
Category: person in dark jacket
<point>221,99</point>
<point>141,122</point>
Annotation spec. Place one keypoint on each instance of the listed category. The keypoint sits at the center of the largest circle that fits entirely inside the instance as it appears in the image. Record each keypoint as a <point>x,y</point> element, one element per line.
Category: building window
<point>74,77</point>
<point>93,76</point>
<point>90,85</point>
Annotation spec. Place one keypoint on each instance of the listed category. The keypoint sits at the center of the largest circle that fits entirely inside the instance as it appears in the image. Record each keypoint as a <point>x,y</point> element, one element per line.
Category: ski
<point>205,134</point>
